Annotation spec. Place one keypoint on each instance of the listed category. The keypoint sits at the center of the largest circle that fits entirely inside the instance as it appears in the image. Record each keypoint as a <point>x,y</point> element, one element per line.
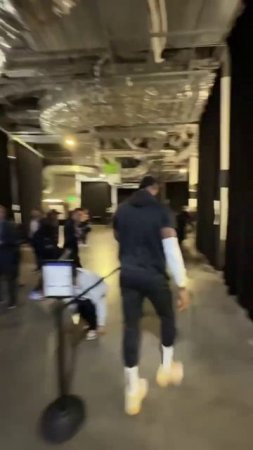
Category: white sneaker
<point>91,335</point>
<point>133,401</point>
<point>34,295</point>
<point>173,376</point>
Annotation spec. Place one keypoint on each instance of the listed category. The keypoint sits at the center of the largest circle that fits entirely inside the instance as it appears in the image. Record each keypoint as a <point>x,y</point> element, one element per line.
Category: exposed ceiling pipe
<point>137,172</point>
<point>158,18</point>
<point>50,172</point>
<point>184,155</point>
<point>131,144</point>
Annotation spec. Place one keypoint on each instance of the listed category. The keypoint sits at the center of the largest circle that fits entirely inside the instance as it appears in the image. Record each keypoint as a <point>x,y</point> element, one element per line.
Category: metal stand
<point>63,418</point>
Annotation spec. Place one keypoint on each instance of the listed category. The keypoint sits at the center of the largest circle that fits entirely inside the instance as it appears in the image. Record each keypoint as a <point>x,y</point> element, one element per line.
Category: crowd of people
<point>43,236</point>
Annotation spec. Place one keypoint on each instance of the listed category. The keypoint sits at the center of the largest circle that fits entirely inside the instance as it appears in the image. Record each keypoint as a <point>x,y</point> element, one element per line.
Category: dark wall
<point>5,177</point>
<point>96,197</point>
<point>178,194</point>
<point>29,174</point>
<point>239,248</point>
<point>208,186</point>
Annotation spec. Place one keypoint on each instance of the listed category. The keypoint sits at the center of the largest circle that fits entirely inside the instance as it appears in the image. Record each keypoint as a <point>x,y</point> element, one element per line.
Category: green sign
<point>111,168</point>
<point>71,198</point>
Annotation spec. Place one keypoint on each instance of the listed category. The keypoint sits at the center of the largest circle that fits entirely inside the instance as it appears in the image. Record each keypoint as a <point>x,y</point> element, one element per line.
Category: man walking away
<point>8,263</point>
<point>147,243</point>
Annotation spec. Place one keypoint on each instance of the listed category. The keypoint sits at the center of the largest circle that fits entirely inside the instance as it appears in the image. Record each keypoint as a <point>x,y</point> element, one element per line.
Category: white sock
<point>132,379</point>
<point>167,356</point>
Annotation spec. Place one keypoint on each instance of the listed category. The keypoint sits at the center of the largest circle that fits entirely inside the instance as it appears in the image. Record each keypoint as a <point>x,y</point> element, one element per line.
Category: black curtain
<point>239,247</point>
<point>29,174</point>
<point>96,197</point>
<point>208,186</point>
<point>178,194</point>
<point>5,177</point>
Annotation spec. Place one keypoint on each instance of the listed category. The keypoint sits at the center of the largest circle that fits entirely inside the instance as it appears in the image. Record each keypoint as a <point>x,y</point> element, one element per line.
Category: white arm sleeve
<point>175,261</point>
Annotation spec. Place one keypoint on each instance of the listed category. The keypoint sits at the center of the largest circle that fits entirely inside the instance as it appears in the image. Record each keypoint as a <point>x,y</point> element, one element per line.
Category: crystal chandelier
<point>63,7</point>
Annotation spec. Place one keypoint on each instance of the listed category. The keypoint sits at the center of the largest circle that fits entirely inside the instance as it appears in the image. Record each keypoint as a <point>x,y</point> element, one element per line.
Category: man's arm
<point>174,257</point>
<point>175,264</point>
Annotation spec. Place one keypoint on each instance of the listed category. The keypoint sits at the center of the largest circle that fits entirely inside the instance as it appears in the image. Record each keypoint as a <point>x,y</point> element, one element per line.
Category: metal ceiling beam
<point>21,142</point>
<point>157,131</point>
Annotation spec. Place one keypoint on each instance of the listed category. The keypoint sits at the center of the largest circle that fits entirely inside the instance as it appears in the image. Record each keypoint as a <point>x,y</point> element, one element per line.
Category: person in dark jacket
<point>46,239</point>
<point>183,219</point>
<point>46,244</point>
<point>147,244</point>
<point>85,226</point>
<point>53,218</point>
<point>8,258</point>
<point>72,235</point>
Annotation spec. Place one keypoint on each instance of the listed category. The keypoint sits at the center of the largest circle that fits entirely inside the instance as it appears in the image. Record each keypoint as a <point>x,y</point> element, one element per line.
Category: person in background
<point>85,226</point>
<point>183,219</point>
<point>171,212</point>
<point>92,306</point>
<point>46,243</point>
<point>21,238</point>
<point>34,224</point>
<point>36,217</point>
<point>72,235</point>
<point>8,258</point>
<point>147,244</point>
<point>53,218</point>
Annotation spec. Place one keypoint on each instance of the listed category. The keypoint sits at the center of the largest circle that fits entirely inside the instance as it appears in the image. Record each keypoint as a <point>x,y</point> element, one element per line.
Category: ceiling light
<point>70,142</point>
<point>161,132</point>
<point>52,200</point>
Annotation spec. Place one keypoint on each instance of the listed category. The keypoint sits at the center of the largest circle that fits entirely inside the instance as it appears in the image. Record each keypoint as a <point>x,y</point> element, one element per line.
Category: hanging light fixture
<point>63,7</point>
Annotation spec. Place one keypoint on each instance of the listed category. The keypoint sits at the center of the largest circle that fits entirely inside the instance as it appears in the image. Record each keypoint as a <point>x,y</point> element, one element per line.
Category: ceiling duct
<point>158,99</point>
<point>50,172</point>
<point>136,173</point>
<point>158,23</point>
<point>63,7</point>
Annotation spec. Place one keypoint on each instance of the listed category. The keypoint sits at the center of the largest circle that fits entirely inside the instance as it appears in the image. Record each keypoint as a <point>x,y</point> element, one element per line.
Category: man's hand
<point>183,299</point>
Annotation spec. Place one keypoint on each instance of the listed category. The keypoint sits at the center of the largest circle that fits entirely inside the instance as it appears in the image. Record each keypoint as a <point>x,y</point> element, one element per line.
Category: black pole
<point>63,418</point>
<point>62,382</point>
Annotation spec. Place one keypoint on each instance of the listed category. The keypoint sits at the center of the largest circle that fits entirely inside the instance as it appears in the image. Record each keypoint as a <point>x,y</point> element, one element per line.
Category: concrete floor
<point>212,410</point>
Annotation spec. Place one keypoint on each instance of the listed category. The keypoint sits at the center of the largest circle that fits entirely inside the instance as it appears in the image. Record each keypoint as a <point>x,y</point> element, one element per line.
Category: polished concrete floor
<point>212,410</point>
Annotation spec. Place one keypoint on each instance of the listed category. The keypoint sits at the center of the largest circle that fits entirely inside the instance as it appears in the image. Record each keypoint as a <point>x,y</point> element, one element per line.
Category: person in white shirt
<point>34,222</point>
<point>91,306</point>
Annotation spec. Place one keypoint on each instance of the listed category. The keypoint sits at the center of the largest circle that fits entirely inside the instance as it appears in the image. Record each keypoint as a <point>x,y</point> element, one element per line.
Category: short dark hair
<point>148,181</point>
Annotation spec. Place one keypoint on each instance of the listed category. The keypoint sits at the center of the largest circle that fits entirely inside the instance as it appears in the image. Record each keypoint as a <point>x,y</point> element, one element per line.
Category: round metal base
<point>62,419</point>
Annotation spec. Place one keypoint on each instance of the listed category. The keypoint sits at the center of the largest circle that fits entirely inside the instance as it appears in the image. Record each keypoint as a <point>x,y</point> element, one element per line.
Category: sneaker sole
<point>135,408</point>
<point>173,379</point>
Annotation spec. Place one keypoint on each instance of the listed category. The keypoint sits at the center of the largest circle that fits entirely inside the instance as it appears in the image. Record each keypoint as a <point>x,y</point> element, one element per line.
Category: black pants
<point>87,311</point>
<point>74,255</point>
<point>136,285</point>
<point>9,279</point>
